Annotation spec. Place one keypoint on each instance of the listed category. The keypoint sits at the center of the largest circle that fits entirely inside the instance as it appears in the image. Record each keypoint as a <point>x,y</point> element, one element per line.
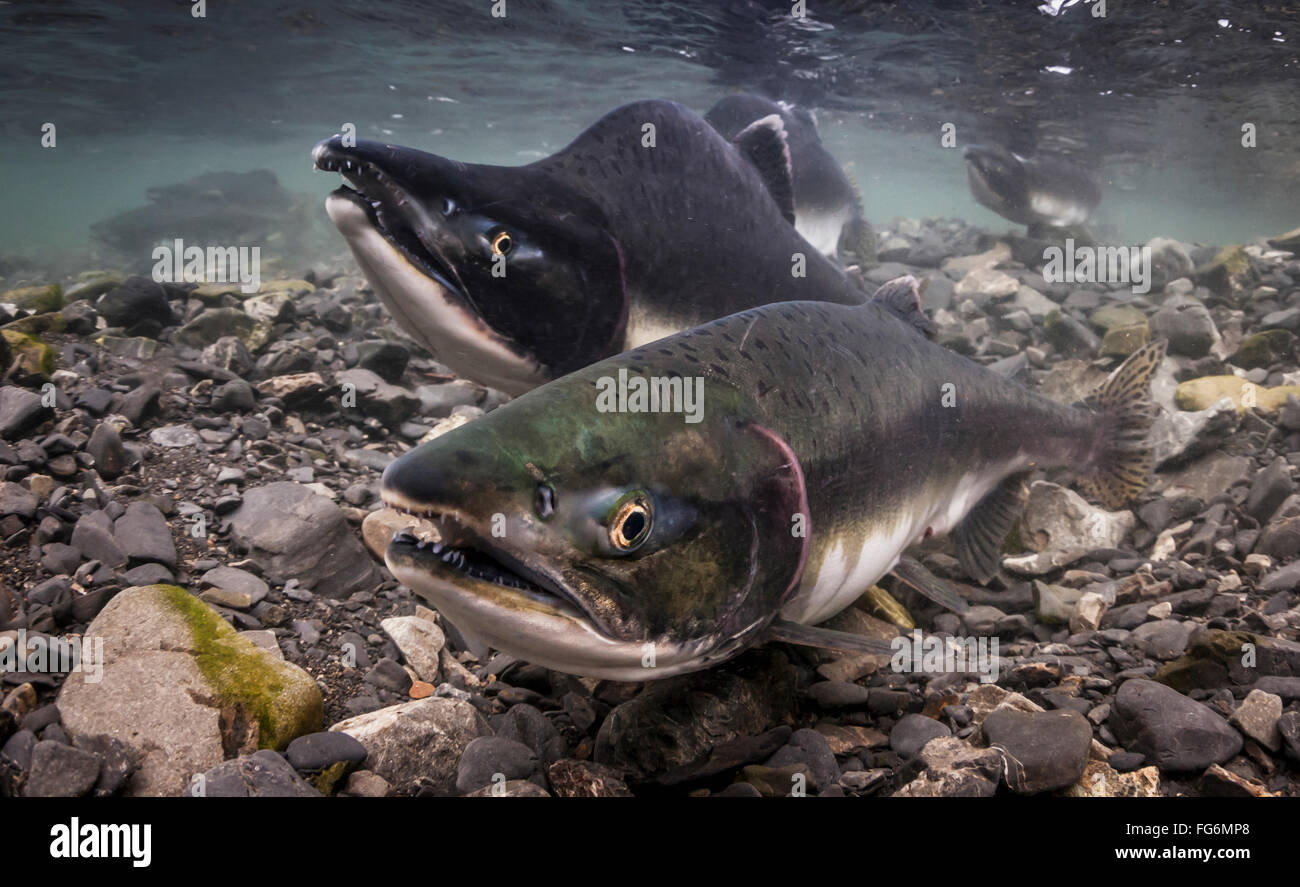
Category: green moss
<point>1264,349</point>
<point>40,299</point>
<point>325,780</point>
<point>284,703</point>
<point>35,358</point>
<point>35,324</point>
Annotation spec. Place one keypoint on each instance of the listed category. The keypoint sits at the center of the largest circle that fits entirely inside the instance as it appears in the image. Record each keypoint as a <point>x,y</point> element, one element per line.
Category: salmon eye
<point>502,243</point>
<point>630,521</point>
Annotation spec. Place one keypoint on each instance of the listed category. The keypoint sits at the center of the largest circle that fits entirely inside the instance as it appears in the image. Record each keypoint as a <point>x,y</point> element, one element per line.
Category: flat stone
<point>1045,750</point>
<point>1176,733</point>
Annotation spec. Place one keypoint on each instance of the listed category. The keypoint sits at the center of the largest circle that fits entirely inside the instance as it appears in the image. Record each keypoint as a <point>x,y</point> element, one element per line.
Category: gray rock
<point>263,774</point>
<point>20,412</point>
<point>913,731</point>
<point>390,404</point>
<point>420,642</point>
<point>490,759</point>
<point>1045,750</point>
<point>810,748</point>
<point>138,302</point>
<point>525,723</point>
<point>1257,717</point>
<point>1164,638</point>
<point>1270,489</point>
<point>61,771</point>
<point>1062,527</point>
<point>105,446</point>
<point>17,499</point>
<point>1187,325</point>
<point>143,535</point>
<point>1288,727</point>
<point>319,751</point>
<point>291,532</point>
<point>175,436</point>
<point>417,741</point>
<point>1178,436</point>
<point>93,537</point>
<point>239,581</point>
<point>1175,733</point>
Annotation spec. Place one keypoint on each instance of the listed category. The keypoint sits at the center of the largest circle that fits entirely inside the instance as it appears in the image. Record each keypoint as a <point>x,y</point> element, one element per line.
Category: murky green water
<point>1150,98</point>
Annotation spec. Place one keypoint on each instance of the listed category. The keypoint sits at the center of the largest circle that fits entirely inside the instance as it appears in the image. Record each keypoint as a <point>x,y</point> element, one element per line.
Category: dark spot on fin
<point>763,144</point>
<point>979,537</point>
<point>912,574</point>
<point>826,638</point>
<point>1122,466</point>
<point>902,295</point>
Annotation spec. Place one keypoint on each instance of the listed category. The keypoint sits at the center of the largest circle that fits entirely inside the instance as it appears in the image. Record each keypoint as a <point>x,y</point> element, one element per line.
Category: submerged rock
<point>293,533</point>
<point>182,687</point>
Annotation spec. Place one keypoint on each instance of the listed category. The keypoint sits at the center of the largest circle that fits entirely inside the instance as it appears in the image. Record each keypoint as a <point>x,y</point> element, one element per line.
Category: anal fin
<point>979,537</point>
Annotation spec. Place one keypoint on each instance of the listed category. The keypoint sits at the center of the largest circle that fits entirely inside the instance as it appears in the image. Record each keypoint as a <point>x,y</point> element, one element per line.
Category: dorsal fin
<point>763,144</point>
<point>902,295</point>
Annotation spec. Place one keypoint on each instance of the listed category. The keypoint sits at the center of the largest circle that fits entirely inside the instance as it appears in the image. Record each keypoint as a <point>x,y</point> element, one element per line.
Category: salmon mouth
<point>388,208</point>
<point>466,561</point>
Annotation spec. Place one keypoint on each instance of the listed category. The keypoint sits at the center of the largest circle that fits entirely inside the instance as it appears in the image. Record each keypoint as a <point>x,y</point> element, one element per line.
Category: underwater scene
<point>659,399</point>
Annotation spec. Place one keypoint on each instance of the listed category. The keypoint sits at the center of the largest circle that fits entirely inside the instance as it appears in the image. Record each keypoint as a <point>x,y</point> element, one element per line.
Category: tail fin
<point>1121,469</point>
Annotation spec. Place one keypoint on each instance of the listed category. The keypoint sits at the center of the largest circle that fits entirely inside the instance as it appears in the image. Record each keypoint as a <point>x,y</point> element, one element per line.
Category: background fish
<point>516,275</point>
<point>1040,191</point>
<point>831,439</point>
<point>827,203</point>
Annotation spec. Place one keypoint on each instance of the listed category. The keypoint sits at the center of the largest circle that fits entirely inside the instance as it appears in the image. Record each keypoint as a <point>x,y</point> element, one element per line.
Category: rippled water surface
<point>1151,96</point>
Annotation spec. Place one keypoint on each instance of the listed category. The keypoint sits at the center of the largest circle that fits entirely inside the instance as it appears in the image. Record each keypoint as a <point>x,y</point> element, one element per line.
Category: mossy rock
<point>1200,394</point>
<point>92,285</point>
<point>1108,317</point>
<point>286,285</point>
<point>37,299</point>
<point>1210,657</point>
<point>138,347</point>
<point>32,359</point>
<point>36,324</point>
<point>214,323</point>
<point>181,686</point>
<point>1289,241</point>
<point>280,697</point>
<point>1264,349</point>
<point>1228,273</point>
<point>1121,341</point>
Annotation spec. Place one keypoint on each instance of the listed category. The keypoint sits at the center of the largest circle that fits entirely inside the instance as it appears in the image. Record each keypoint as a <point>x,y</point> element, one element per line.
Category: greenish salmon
<point>577,528</point>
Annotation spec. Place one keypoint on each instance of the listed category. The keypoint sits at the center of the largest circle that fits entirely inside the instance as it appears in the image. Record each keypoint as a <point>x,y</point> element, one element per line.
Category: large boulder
<point>183,688</point>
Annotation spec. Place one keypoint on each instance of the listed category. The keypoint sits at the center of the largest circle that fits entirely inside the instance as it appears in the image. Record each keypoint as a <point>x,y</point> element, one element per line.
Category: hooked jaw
<point>395,239</point>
